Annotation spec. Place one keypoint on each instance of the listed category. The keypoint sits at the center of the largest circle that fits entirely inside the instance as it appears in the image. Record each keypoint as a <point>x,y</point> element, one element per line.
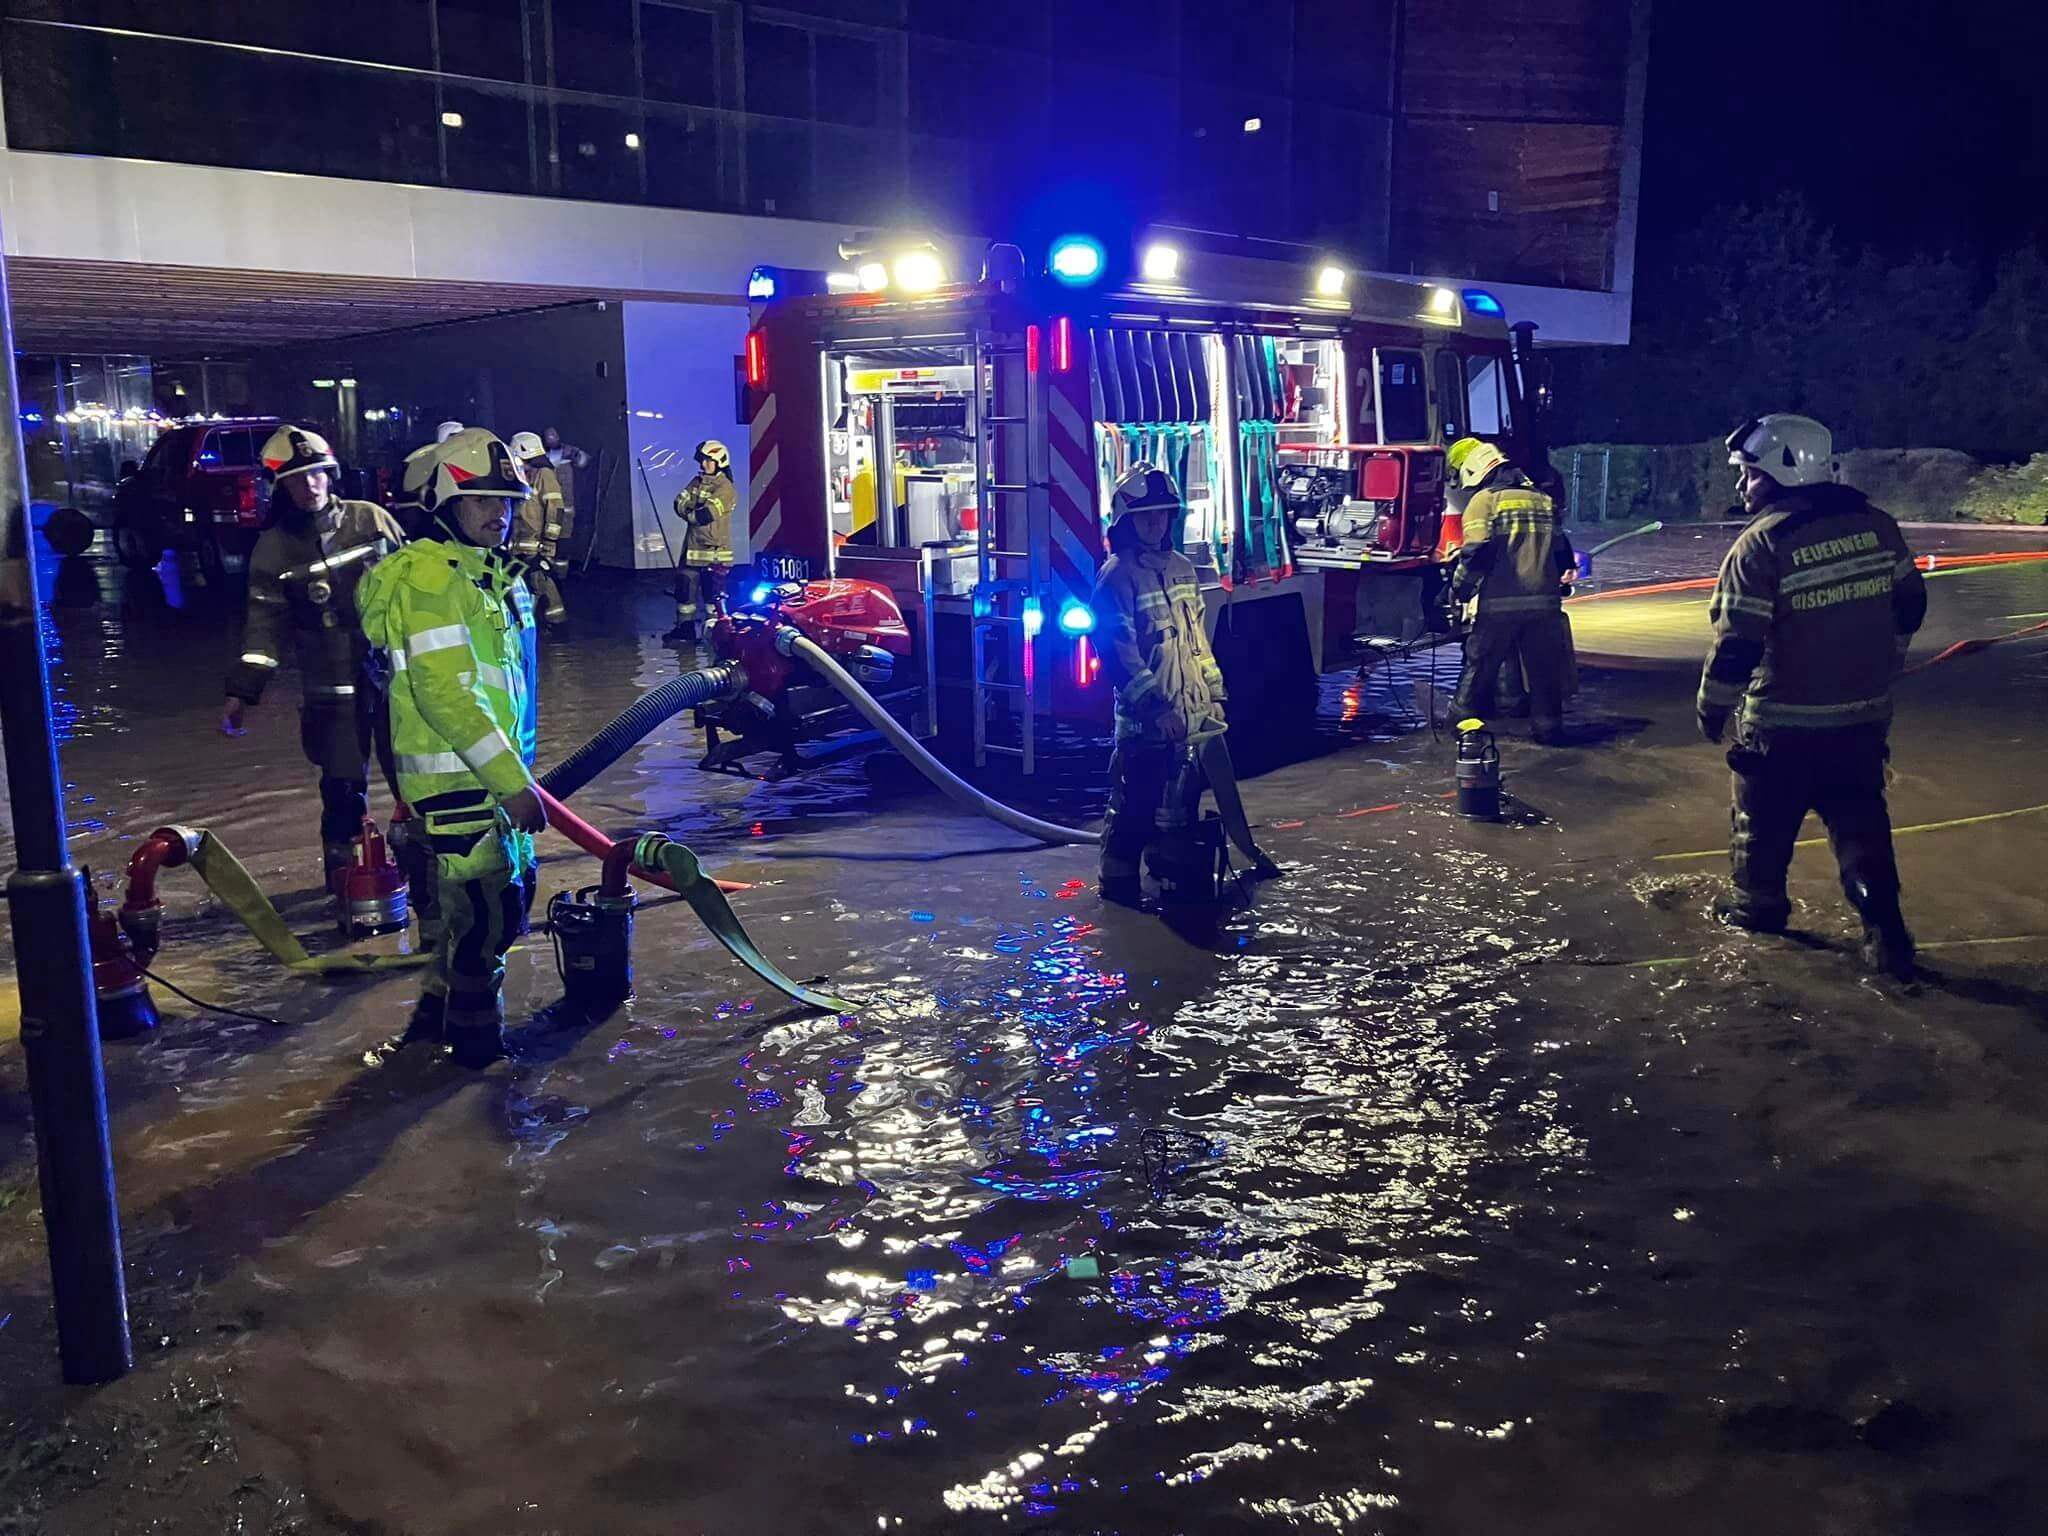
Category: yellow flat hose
<point>237,890</point>
<point>1925,826</point>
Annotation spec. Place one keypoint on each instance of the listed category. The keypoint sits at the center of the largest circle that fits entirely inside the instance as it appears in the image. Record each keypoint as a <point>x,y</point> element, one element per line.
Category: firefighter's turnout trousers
<point>1155,790</point>
<point>1532,642</point>
<point>483,892</point>
<point>1837,774</point>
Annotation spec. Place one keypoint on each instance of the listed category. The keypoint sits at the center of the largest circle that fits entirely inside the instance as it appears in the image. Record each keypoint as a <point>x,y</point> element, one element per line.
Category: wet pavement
<point>1470,1179</point>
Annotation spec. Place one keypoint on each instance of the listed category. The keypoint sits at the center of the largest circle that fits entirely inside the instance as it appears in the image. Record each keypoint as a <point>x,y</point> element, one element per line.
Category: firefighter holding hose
<point>303,575</point>
<point>705,508</point>
<point>1815,606</point>
<point>454,620</point>
<point>1169,689</point>
<point>540,528</point>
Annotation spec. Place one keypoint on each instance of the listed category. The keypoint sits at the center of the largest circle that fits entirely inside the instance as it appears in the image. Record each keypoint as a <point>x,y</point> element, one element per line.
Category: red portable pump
<point>373,897</point>
<point>121,991</point>
<point>858,623</point>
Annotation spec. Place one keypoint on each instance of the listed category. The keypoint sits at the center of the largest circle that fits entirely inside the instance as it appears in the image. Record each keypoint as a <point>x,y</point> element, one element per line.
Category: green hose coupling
<point>655,851</point>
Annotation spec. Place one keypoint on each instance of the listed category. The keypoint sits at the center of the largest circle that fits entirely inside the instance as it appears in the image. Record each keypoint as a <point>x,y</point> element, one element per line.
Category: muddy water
<point>1470,1179</point>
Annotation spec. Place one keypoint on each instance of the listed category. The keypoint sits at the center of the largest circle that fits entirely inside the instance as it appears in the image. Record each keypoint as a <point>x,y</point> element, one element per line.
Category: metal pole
<point>60,1031</point>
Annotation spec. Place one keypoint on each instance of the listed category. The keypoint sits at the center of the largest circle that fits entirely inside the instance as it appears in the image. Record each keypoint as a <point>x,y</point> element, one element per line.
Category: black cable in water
<point>221,1008</point>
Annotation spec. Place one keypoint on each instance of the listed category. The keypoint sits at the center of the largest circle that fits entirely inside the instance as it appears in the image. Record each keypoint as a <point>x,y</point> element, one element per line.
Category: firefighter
<point>705,507</point>
<point>303,575</point>
<point>1169,689</point>
<point>1814,609</point>
<point>538,533</point>
<point>454,618</point>
<point>569,462</point>
<point>1511,572</point>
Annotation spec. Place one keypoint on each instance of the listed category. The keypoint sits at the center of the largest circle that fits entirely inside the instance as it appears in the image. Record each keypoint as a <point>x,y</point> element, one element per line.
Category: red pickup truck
<point>201,489</point>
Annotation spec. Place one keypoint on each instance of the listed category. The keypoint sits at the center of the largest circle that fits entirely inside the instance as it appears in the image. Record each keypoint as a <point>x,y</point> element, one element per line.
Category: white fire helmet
<point>474,462</point>
<point>446,430</point>
<point>527,446</point>
<point>1471,460</point>
<point>296,451</point>
<point>1792,450</point>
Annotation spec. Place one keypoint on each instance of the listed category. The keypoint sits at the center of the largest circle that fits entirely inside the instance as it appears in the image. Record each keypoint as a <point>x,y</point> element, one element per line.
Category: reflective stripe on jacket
<point>1151,624</point>
<point>1815,606</point>
<point>1514,547</point>
<point>303,575</point>
<point>537,527</point>
<point>454,622</point>
<point>706,505</point>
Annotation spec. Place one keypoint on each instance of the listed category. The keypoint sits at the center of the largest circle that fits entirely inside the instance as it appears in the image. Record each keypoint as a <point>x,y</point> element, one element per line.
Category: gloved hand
<point>1713,723</point>
<point>1175,725</point>
<point>525,811</point>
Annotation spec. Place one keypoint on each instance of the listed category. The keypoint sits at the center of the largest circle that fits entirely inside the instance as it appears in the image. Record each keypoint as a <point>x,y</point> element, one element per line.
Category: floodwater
<point>1470,1179</point>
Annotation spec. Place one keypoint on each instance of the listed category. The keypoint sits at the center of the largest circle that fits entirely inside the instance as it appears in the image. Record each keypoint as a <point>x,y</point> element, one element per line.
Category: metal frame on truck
<point>957,439</point>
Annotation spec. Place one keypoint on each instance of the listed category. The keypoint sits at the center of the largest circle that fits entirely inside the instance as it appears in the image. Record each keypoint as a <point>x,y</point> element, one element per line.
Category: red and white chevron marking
<point>764,478</point>
<point>1076,524</point>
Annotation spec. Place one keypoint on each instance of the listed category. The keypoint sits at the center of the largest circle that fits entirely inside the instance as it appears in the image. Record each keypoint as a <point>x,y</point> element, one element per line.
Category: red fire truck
<point>955,436</point>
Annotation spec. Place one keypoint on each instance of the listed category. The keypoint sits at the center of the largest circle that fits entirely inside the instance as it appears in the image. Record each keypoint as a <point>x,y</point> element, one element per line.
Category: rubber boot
<point>476,1037</point>
<point>1888,949</point>
<point>1736,912</point>
<point>426,1031</point>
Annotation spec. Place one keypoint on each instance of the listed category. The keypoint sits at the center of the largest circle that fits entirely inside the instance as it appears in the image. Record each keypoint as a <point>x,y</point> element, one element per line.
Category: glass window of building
<point>593,44</point>
<point>680,54</point>
<point>778,70</point>
<point>484,37</point>
<point>849,78</point>
<point>491,149</point>
<point>600,149</point>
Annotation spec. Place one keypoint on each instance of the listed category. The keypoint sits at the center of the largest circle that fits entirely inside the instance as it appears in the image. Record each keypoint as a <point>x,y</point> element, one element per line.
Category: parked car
<point>201,489</point>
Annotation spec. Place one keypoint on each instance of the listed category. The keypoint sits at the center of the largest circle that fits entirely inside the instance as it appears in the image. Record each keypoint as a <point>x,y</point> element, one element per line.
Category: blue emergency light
<point>1480,302</point>
<point>761,283</point>
<point>1076,260</point>
<point>761,594</point>
<point>1076,617</point>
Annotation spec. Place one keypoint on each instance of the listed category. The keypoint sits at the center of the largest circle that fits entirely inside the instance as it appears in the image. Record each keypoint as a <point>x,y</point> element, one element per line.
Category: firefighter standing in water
<point>1512,568</point>
<point>303,575</point>
<point>705,507</point>
<point>540,528</point>
<point>1169,689</point>
<point>1814,609</point>
<point>453,617</point>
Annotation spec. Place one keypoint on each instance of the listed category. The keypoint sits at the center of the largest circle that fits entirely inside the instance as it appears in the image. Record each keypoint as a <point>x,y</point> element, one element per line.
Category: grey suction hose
<point>634,722</point>
<point>792,643</point>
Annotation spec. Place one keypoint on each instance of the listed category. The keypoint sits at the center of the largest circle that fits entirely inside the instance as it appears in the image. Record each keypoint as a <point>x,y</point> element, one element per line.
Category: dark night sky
<point>1909,124</point>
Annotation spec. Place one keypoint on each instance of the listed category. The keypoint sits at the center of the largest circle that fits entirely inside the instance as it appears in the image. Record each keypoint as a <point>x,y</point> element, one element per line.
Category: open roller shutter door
<point>1183,381</point>
<point>1127,371</point>
<point>1148,373</point>
<point>1106,389</point>
<point>1169,381</point>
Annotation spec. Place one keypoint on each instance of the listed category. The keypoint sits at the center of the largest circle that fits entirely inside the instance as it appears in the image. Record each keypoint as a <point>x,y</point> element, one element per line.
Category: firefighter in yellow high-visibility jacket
<point>453,619</point>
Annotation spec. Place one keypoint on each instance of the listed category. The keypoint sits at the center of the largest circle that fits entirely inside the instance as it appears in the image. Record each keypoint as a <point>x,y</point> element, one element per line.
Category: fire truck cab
<point>955,437</point>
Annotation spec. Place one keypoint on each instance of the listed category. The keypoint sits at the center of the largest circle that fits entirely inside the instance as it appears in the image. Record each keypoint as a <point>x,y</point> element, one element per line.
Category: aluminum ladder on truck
<point>1011,504</point>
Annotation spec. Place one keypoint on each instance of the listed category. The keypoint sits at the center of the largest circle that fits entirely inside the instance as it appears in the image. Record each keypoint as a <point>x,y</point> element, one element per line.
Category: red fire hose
<point>590,840</point>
